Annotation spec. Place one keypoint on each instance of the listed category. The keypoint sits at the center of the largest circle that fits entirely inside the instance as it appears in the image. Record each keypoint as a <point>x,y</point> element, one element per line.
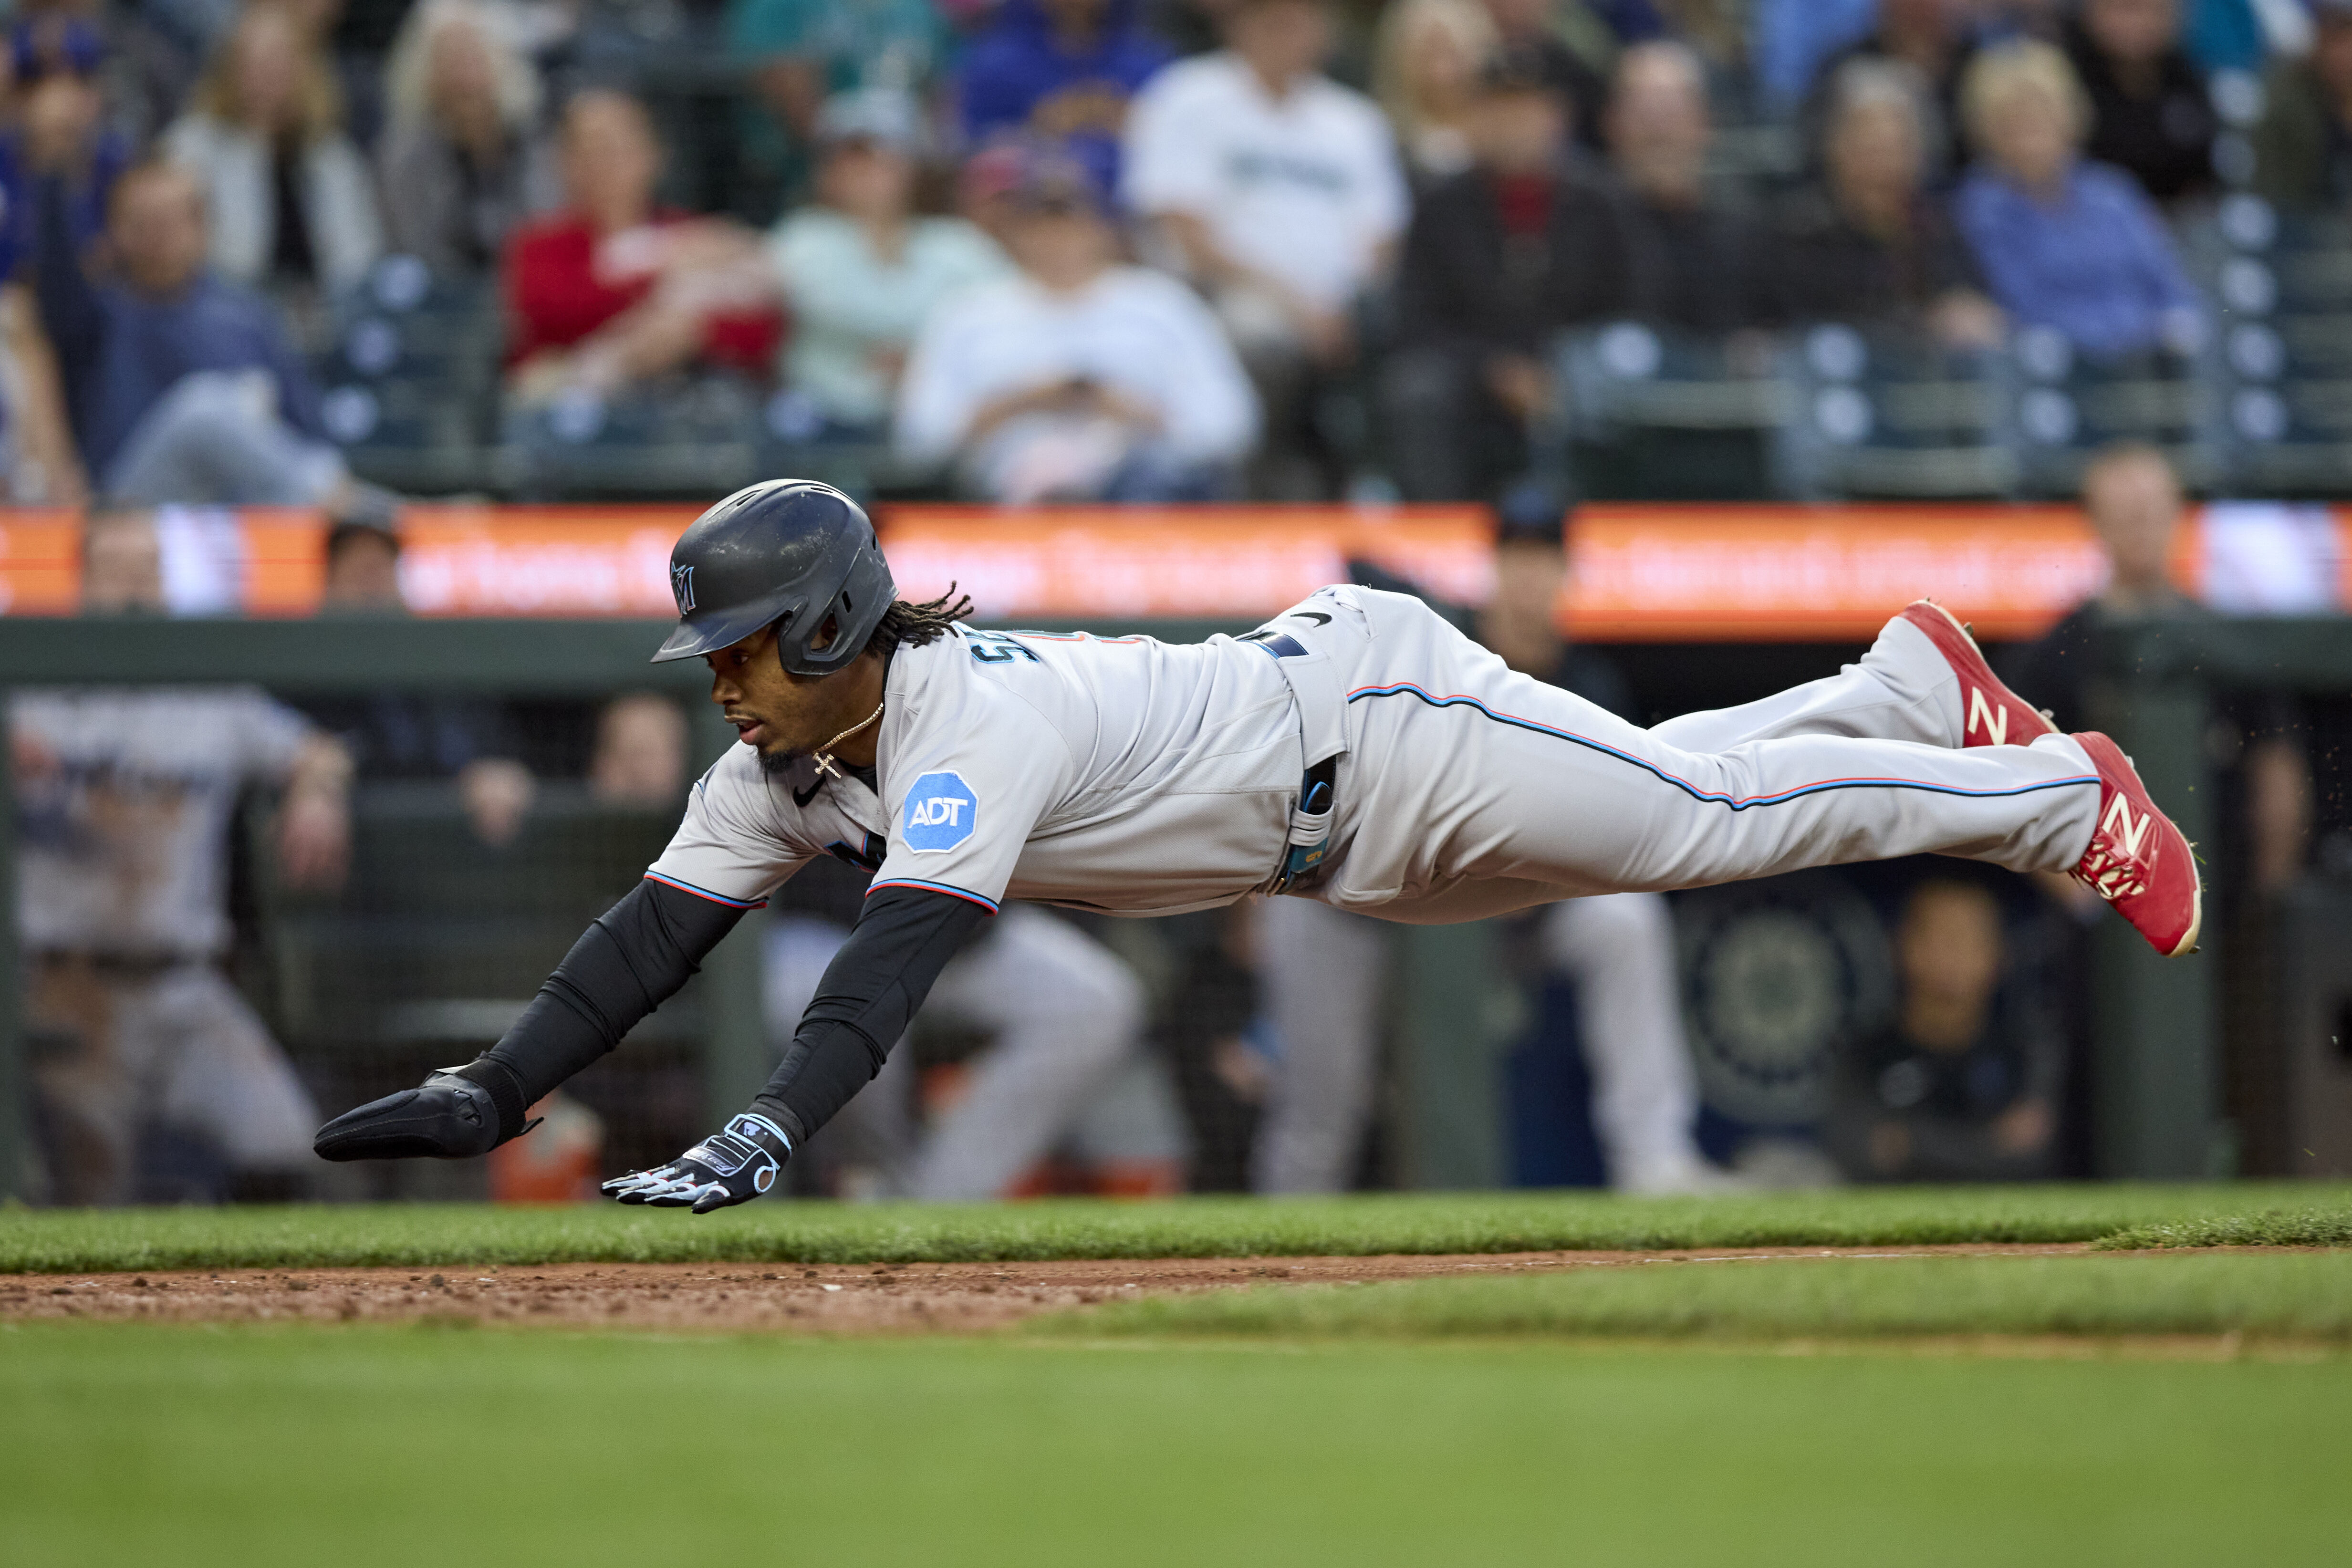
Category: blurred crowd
<point>1124,249</point>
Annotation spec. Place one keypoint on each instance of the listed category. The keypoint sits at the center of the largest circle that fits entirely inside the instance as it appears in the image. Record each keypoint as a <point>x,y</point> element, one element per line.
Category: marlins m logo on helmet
<point>681,587</point>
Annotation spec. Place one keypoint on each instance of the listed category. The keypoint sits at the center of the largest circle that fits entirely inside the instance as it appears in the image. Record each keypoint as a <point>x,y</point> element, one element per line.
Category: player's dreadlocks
<point>906,625</point>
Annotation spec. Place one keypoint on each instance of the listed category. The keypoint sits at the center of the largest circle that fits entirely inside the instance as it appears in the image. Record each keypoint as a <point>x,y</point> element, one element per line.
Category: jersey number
<point>997,648</point>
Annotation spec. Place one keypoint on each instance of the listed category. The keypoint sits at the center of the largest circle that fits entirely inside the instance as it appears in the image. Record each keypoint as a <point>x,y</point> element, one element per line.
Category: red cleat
<point>1991,715</point>
<point>2139,862</point>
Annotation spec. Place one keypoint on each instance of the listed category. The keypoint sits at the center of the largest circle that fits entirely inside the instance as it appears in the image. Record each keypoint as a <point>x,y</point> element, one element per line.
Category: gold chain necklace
<point>826,768</point>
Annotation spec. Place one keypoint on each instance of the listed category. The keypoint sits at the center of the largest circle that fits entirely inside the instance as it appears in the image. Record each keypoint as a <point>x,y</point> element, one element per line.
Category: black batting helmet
<point>787,553</point>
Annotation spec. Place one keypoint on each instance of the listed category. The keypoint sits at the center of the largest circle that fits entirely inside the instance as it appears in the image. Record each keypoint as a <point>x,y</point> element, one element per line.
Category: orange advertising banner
<point>1638,572</point>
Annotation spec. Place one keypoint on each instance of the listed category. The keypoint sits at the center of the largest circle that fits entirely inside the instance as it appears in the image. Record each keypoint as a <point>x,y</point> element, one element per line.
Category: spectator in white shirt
<point>1277,192</point>
<point>291,199</point>
<point>860,271</point>
<point>1080,378</point>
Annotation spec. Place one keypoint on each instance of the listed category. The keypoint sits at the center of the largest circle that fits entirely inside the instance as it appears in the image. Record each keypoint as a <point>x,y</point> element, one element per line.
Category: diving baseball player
<point>1356,750</point>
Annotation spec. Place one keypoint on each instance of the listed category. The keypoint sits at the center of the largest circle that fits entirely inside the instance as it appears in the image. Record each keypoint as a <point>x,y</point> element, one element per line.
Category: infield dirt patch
<point>911,1298</point>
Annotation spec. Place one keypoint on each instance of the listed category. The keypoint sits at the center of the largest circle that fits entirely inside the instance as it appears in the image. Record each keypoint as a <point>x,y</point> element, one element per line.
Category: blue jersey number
<point>997,648</point>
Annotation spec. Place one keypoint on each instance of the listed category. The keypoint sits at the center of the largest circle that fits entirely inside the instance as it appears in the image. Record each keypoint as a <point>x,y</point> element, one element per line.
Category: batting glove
<point>727,1168</point>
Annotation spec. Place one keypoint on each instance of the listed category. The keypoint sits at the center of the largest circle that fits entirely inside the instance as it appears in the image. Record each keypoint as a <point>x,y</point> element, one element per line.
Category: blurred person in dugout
<point>1322,969</point>
<point>398,735</point>
<point>1078,377</point>
<point>1277,192</point>
<point>639,760</point>
<point>1963,1085</point>
<point>2134,501</point>
<point>182,388</point>
<point>152,1078</point>
<point>615,290</point>
<point>1060,1093</point>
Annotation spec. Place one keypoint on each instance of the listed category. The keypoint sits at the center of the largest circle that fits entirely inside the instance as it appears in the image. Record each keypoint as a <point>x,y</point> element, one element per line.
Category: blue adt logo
<point>942,811</point>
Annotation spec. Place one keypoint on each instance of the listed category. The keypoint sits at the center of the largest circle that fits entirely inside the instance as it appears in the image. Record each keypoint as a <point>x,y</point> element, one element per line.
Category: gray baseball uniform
<point>1136,777</point>
<point>122,902</point>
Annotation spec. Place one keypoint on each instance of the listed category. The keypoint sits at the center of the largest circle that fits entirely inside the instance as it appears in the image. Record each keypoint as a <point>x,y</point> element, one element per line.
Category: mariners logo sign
<point>941,812</point>
<point>681,585</point>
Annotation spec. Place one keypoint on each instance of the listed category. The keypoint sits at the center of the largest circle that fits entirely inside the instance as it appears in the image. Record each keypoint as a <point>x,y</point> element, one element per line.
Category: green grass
<point>411,1236</point>
<point>2303,1296</point>
<point>2277,1228</point>
<point>366,1447</point>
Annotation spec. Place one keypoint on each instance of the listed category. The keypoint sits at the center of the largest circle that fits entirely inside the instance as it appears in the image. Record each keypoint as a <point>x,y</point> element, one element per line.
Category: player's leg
<point>1922,680</point>
<point>86,1084</point>
<point>1620,950</point>
<point>1066,1011</point>
<point>1523,780</point>
<point>1322,969</point>
<point>1511,779</point>
<point>221,1077</point>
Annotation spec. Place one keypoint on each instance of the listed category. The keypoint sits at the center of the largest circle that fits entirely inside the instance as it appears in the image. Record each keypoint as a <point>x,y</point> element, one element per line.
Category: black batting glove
<point>457,1114</point>
<point>727,1168</point>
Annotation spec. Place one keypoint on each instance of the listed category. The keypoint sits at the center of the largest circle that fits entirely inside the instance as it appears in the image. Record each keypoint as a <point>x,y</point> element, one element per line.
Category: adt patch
<point>941,812</point>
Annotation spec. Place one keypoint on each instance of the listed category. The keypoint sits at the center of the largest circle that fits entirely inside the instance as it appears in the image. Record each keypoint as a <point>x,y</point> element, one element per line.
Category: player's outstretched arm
<point>871,991</point>
<point>633,958</point>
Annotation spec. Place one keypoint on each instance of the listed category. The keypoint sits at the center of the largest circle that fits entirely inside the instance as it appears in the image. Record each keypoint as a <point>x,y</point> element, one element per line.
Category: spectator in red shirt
<point>613,290</point>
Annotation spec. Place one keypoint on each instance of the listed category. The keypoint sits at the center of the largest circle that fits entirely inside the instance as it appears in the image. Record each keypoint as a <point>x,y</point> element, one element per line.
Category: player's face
<point>779,714</point>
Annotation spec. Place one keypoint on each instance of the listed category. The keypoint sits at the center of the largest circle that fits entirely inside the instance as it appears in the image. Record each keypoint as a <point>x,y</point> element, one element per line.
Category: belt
<point>1310,824</point>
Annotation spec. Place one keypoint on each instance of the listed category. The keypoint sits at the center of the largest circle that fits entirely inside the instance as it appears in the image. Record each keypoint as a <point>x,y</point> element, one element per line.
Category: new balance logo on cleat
<point>2138,861</point>
<point>1983,715</point>
<point>2120,823</point>
<point>1993,715</point>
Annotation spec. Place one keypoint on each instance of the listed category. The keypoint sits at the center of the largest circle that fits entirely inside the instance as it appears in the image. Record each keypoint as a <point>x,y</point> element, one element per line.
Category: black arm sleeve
<point>634,957</point>
<point>871,990</point>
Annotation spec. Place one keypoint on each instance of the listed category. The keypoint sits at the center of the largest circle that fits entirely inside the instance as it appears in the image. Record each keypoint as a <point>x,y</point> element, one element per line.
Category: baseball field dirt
<point>838,1299</point>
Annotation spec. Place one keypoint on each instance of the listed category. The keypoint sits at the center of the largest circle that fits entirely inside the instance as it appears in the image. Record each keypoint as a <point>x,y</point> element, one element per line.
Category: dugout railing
<point>2158,1027</point>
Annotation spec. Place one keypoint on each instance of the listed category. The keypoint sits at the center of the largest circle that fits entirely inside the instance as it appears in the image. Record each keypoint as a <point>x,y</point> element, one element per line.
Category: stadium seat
<point>683,438</point>
<point>1653,414</point>
<point>408,371</point>
<point>2282,286</point>
<point>1889,416</point>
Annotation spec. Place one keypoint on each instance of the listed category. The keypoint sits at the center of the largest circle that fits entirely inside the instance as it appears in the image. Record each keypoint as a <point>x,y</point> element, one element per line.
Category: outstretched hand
<point>728,1167</point>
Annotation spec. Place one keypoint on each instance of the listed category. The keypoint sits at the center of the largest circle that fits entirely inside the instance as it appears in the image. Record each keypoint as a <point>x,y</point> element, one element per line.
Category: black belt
<point>1310,823</point>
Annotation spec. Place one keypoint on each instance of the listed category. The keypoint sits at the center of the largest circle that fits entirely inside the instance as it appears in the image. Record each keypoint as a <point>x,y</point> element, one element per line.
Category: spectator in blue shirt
<point>61,126</point>
<point>1793,37</point>
<point>2063,242</point>
<point>1062,70</point>
<point>182,388</point>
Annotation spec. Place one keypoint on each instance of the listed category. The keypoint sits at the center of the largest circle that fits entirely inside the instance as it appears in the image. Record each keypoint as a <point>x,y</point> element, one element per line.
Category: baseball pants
<point>1469,789</point>
<point>1323,970</point>
<point>174,1046</point>
<point>1067,1015</point>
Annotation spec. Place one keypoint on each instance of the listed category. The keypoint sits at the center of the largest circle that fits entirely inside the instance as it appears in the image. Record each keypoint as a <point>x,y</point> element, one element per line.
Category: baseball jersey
<point>1118,774</point>
<point>123,830</point>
